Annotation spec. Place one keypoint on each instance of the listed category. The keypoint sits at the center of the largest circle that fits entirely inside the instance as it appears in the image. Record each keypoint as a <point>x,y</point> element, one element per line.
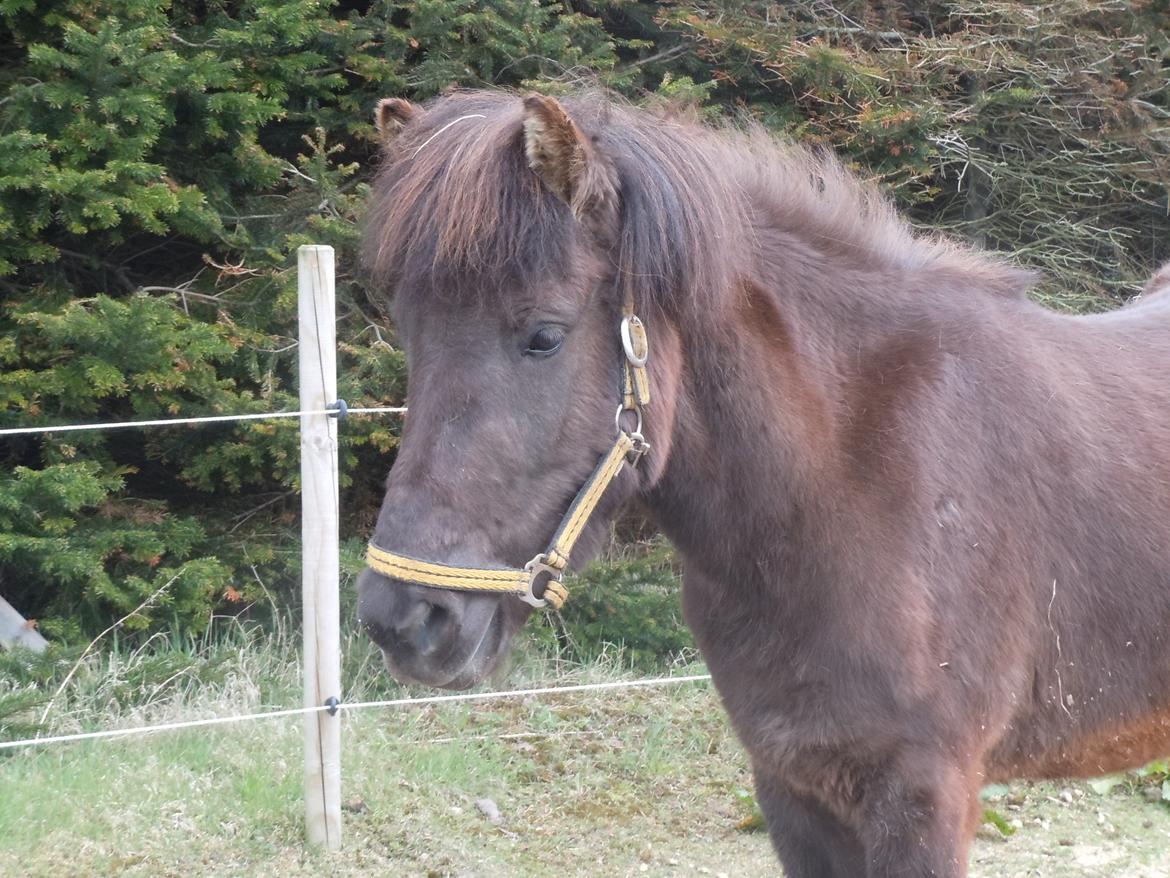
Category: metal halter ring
<point>534,568</point>
<point>628,341</point>
<point>617,419</point>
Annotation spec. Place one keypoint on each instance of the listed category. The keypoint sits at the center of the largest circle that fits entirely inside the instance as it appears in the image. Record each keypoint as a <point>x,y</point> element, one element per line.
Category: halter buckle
<point>641,448</point>
<point>536,568</point>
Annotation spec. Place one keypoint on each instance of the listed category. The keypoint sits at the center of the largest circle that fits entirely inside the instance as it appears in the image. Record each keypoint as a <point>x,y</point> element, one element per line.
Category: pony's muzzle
<point>404,619</point>
<point>432,636</point>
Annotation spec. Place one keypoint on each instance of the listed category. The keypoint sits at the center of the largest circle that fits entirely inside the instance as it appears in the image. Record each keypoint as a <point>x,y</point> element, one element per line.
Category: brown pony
<point>925,522</point>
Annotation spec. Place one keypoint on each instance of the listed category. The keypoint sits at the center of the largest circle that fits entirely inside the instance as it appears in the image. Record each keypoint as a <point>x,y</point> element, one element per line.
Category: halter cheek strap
<point>550,564</point>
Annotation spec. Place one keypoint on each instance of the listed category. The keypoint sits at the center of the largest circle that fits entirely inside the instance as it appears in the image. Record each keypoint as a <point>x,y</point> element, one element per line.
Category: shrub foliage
<point>163,160</point>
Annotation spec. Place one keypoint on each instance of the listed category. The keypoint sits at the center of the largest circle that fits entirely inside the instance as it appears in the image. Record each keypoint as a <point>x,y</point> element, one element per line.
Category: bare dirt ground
<point>642,783</point>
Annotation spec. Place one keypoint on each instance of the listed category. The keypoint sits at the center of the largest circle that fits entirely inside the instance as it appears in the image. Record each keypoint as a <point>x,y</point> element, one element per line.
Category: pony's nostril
<point>422,627</point>
<point>434,629</point>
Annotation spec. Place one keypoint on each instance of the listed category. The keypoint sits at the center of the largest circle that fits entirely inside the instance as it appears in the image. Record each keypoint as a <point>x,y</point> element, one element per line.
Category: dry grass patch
<point>627,782</point>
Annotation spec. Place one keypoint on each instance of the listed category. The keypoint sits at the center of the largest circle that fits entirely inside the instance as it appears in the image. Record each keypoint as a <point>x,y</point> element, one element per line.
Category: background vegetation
<point>163,160</point>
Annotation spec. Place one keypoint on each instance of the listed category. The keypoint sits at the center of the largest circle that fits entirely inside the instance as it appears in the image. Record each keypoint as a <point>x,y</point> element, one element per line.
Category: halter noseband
<point>629,447</point>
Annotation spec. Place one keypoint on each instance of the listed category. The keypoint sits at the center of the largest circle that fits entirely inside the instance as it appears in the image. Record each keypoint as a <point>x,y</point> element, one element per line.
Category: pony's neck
<point>746,409</point>
<point>766,439</point>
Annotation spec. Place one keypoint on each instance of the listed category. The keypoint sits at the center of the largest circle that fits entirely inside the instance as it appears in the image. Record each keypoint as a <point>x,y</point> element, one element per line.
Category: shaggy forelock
<point>456,209</point>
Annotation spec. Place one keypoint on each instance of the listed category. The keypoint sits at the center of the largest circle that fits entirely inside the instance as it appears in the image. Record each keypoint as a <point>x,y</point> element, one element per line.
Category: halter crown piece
<point>550,564</point>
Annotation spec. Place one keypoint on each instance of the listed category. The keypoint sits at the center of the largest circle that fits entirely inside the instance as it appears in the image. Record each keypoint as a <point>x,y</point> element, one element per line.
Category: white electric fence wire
<point>356,705</point>
<point>212,419</point>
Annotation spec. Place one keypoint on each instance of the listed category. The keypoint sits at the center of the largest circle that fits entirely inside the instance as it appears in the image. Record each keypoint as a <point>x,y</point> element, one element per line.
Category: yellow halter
<point>628,448</point>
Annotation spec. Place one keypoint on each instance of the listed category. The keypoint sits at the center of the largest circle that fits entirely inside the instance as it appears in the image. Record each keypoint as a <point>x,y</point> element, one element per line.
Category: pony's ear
<point>392,115</point>
<point>568,163</point>
<point>1159,283</point>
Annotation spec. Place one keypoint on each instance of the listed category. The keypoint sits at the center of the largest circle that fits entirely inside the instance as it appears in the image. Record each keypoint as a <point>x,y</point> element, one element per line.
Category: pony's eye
<point>545,341</point>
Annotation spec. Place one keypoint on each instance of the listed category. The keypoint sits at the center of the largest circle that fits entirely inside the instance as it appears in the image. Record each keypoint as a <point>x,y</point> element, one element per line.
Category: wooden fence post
<point>316,314</point>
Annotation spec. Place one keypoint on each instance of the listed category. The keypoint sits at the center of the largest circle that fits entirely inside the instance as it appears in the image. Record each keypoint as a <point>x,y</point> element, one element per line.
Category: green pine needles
<point>163,160</point>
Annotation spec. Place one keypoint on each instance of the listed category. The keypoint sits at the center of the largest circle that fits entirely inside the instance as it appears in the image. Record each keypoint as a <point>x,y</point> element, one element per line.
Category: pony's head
<point>512,237</point>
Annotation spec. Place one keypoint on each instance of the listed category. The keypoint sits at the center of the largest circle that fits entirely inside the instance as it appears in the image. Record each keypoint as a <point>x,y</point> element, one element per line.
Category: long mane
<point>456,206</point>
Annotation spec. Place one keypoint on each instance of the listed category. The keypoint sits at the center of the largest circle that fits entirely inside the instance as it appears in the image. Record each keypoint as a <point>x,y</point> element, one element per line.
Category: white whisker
<point>444,128</point>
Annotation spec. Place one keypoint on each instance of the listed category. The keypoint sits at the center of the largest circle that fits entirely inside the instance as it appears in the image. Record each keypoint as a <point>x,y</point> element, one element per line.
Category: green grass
<point>627,782</point>
<point>227,800</point>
